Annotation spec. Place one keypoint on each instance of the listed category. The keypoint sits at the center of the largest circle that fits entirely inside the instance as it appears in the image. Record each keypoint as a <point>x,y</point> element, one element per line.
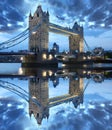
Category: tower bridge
<point>38,35</point>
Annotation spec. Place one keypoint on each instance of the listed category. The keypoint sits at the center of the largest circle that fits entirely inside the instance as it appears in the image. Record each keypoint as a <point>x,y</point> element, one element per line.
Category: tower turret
<point>39,11</point>
<point>38,89</point>
<point>30,15</point>
<point>38,25</point>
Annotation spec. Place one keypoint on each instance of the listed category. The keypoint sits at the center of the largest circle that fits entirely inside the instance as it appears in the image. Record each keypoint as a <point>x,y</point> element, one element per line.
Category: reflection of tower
<point>38,41</point>
<point>76,88</point>
<point>38,89</point>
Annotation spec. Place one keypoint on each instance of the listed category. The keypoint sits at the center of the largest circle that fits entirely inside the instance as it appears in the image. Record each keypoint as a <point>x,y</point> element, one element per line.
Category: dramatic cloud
<point>12,14</point>
<point>13,116</point>
<point>91,13</point>
<point>94,116</point>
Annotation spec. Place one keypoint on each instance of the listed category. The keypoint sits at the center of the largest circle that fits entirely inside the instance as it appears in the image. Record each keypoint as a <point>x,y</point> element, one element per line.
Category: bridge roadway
<point>62,30</point>
<point>16,53</point>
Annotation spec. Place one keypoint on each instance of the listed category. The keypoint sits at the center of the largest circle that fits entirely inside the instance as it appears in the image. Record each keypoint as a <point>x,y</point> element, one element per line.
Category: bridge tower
<point>76,41</point>
<point>76,88</point>
<point>38,25</point>
<point>38,89</point>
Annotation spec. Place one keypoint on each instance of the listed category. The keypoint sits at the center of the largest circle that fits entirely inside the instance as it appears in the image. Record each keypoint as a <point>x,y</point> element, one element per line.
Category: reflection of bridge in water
<point>38,95</point>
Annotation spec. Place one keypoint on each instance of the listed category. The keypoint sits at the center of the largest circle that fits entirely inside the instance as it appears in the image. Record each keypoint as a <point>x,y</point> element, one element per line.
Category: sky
<point>94,15</point>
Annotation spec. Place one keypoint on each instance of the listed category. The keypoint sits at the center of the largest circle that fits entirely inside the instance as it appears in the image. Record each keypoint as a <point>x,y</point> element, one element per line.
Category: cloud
<point>12,15</point>
<point>13,116</point>
<point>94,116</point>
<point>86,11</point>
<point>92,14</point>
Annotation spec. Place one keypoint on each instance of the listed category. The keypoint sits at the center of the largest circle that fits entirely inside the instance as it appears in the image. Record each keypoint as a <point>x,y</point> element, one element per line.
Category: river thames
<point>55,99</point>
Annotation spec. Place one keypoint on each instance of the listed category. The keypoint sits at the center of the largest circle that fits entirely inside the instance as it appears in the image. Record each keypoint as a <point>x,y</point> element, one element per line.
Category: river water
<point>55,98</point>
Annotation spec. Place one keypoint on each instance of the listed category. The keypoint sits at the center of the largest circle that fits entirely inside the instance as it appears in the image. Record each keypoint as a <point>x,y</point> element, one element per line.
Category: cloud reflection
<point>92,115</point>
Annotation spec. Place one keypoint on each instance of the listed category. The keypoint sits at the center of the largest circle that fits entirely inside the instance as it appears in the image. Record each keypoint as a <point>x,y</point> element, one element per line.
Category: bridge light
<point>44,74</point>
<point>63,71</point>
<point>50,73</point>
<point>34,32</point>
<point>20,71</point>
<point>63,58</point>
<point>33,97</point>
<point>44,56</point>
<point>63,65</point>
<point>89,57</point>
<point>84,72</point>
<point>50,57</point>
<point>84,57</point>
<point>21,58</point>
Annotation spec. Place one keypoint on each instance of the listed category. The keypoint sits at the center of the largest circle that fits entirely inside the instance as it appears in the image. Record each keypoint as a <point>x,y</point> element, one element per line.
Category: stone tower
<point>76,41</point>
<point>39,35</point>
<point>38,89</point>
<point>76,88</point>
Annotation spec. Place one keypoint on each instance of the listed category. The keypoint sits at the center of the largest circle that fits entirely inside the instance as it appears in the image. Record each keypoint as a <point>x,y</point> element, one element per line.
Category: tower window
<point>37,14</point>
<point>37,115</point>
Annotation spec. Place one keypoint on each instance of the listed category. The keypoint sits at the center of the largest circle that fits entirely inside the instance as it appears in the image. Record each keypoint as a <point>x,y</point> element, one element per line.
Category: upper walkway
<point>62,30</point>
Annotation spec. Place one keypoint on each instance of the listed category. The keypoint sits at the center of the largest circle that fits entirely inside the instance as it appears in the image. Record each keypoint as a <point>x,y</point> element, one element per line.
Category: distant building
<point>55,48</point>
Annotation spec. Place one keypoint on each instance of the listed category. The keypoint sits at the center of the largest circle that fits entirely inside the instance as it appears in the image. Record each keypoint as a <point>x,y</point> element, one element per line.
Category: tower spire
<point>30,15</point>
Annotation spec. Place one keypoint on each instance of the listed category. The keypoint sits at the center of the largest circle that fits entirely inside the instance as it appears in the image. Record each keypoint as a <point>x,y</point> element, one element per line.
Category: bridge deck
<point>16,53</point>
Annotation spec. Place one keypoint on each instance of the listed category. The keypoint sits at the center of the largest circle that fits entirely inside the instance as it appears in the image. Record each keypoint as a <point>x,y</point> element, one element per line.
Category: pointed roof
<point>39,9</point>
<point>30,15</point>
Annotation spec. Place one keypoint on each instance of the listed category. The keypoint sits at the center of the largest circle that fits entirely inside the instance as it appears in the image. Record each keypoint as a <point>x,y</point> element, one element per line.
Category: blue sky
<point>94,15</point>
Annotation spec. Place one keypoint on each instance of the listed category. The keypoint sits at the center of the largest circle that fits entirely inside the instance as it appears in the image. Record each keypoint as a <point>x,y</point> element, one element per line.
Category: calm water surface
<point>55,99</point>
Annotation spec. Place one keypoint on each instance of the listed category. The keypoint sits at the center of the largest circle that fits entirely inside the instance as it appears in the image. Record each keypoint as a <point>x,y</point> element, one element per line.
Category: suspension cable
<point>20,92</point>
<point>88,47</point>
<point>19,38</point>
<point>14,38</point>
